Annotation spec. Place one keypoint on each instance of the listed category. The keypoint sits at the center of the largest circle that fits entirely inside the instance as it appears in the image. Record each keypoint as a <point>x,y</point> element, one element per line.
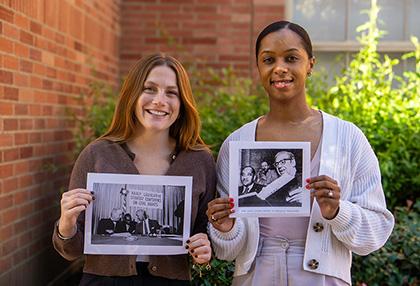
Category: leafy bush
<point>398,262</point>
<point>385,107</point>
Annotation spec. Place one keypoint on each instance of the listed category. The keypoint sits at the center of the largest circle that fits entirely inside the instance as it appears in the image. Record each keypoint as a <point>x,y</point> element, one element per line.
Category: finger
<point>197,236</point>
<point>224,200</point>
<point>201,250</point>
<point>75,191</point>
<point>219,216</point>
<point>75,211</point>
<point>220,207</point>
<point>326,193</point>
<point>323,185</point>
<point>321,178</point>
<point>68,204</point>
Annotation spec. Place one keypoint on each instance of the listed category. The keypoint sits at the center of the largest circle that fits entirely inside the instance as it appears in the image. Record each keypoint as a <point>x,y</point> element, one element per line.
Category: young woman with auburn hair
<point>155,130</point>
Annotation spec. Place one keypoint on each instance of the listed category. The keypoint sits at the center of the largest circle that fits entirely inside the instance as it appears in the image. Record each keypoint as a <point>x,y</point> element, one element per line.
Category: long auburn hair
<point>185,130</point>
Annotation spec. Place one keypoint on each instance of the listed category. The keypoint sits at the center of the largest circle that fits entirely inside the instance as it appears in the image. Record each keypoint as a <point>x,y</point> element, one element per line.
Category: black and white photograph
<point>267,178</point>
<point>138,214</point>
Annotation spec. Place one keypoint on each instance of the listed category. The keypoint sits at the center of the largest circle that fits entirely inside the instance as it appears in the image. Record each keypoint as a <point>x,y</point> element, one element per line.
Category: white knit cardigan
<point>362,225</point>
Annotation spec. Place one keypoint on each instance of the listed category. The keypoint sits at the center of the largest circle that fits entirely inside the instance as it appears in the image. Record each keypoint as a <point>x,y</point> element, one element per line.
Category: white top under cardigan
<point>362,225</point>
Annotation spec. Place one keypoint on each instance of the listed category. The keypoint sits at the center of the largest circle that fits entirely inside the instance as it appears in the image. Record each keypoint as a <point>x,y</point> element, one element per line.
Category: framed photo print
<point>138,214</point>
<point>267,178</point>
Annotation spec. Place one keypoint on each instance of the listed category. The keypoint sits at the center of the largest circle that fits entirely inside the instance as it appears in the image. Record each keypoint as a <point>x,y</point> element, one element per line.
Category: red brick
<point>11,93</point>
<point>21,50</point>
<point>6,171</point>
<point>36,28</point>
<point>6,45</point>
<point>26,66</point>
<point>9,246</point>
<point>21,109</point>
<point>25,181</point>
<point>5,139</point>
<point>10,185</point>
<point>20,197</point>
<point>26,38</point>
<point>10,62</point>
<point>22,21</point>
<point>21,138</point>
<point>10,215</point>
<point>6,77</point>
<point>35,55</point>
<point>25,124</point>
<point>6,202</point>
<point>6,14</point>
<point>26,152</point>
<point>11,154</point>
<point>10,124</point>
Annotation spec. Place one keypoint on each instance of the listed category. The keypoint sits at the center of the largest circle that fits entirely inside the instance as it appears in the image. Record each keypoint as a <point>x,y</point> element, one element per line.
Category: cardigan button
<point>318,227</point>
<point>154,268</point>
<point>313,264</point>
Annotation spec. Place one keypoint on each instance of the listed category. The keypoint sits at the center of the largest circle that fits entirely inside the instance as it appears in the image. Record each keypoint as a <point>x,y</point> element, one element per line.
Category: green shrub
<point>398,262</point>
<point>385,106</point>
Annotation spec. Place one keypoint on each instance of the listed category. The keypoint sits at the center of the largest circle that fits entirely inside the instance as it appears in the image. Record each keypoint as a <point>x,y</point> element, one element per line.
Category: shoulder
<point>345,129</point>
<point>203,157</point>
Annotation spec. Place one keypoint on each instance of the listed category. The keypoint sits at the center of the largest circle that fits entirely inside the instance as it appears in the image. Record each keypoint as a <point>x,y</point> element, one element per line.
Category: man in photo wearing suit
<point>146,226</point>
<point>115,224</point>
<point>247,192</point>
<point>285,190</point>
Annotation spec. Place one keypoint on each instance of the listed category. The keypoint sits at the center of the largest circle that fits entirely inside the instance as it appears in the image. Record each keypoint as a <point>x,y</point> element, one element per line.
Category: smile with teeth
<point>157,112</point>
<point>281,83</point>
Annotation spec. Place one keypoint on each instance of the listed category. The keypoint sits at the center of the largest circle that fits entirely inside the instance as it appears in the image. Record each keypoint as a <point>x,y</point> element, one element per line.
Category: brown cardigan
<point>104,156</point>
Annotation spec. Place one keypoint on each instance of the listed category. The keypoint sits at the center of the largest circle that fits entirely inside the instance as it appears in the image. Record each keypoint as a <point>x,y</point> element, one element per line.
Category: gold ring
<point>213,218</point>
<point>330,194</point>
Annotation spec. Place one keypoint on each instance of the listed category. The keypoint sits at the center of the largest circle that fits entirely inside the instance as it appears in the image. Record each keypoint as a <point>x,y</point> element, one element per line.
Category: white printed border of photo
<point>235,148</point>
<point>184,181</point>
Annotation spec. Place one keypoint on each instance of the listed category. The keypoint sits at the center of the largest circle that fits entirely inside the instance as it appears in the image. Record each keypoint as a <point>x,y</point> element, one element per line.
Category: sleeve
<point>363,223</point>
<point>209,177</point>
<point>71,249</point>
<point>226,245</point>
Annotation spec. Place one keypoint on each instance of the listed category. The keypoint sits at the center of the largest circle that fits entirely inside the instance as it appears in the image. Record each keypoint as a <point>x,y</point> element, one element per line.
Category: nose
<point>280,67</point>
<point>159,97</point>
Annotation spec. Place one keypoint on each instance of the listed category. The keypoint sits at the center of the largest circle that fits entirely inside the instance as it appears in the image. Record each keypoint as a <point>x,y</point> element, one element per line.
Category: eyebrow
<point>153,83</point>
<point>286,51</point>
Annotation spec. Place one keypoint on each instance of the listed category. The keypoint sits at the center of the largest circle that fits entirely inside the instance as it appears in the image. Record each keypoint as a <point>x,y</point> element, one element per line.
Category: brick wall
<point>49,50</point>
<point>217,33</point>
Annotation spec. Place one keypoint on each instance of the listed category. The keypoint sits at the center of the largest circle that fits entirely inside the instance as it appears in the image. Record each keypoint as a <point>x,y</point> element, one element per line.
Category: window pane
<point>413,18</point>
<point>323,19</point>
<point>391,18</point>
<point>329,63</point>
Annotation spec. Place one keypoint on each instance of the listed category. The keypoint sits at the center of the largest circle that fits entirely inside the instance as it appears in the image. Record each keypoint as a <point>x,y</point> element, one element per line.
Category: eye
<point>268,60</point>
<point>148,89</point>
<point>292,59</point>
<point>172,93</point>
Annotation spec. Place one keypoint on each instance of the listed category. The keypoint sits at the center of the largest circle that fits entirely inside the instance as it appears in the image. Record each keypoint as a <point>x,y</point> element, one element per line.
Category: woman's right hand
<point>218,211</point>
<point>72,203</point>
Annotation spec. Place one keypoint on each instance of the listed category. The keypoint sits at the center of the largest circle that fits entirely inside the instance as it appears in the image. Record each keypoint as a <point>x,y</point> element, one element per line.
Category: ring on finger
<point>330,193</point>
<point>213,218</point>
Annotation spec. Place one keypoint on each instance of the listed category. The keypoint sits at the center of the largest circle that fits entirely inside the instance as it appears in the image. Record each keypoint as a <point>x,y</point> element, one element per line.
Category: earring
<point>309,74</point>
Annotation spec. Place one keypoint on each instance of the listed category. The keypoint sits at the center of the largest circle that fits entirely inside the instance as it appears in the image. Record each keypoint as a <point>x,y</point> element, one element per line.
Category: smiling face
<point>285,163</point>
<point>283,64</point>
<point>159,103</point>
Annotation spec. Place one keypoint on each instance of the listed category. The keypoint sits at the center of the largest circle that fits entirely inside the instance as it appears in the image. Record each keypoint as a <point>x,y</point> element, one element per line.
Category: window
<point>332,26</point>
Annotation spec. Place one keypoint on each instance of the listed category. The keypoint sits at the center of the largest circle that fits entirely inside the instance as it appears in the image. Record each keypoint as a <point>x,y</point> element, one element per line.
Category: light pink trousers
<point>279,263</point>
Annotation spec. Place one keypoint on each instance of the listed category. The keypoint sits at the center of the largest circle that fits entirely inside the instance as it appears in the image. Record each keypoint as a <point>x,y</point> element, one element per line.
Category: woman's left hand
<point>327,194</point>
<point>199,248</point>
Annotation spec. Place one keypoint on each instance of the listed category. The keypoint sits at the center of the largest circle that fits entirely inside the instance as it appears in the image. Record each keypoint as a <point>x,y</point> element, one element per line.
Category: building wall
<point>214,33</point>
<point>49,52</point>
